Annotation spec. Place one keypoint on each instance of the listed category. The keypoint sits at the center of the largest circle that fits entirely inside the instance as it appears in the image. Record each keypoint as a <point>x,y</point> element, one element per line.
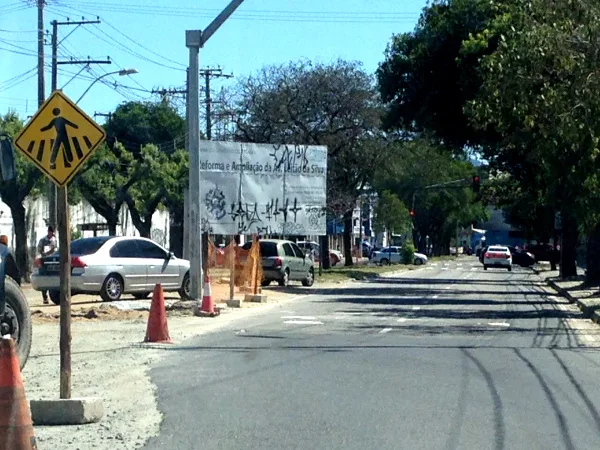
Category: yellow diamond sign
<point>59,138</point>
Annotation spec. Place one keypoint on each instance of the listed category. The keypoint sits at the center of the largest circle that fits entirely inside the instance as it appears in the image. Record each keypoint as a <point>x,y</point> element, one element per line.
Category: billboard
<point>263,188</point>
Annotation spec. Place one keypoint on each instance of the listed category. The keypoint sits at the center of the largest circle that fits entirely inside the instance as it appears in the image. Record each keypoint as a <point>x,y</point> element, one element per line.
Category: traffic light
<point>412,213</point>
<point>476,184</point>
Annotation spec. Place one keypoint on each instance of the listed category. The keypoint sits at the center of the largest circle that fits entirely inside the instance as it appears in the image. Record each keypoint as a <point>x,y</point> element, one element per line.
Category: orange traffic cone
<point>208,306</point>
<point>16,428</point>
<point>158,330</point>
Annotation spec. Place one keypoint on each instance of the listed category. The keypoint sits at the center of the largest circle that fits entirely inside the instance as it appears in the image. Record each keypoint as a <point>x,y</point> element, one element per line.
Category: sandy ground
<point>109,361</point>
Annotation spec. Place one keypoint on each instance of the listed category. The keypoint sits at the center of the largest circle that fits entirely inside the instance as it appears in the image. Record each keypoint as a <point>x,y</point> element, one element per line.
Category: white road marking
<point>303,322</point>
<point>448,287</point>
<point>401,319</point>
<point>385,330</point>
<point>436,296</point>
<point>499,324</point>
<point>416,307</point>
<point>445,268</point>
<point>474,269</point>
<point>299,317</point>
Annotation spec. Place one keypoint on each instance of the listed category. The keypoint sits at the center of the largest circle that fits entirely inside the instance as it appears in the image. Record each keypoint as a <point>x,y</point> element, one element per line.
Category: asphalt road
<point>447,357</point>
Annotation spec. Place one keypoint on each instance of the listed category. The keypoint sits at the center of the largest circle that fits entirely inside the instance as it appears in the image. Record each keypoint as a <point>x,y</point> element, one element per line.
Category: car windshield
<point>87,246</point>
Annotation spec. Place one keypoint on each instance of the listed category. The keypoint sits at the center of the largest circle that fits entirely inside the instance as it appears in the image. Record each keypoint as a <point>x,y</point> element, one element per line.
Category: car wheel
<point>484,267</point>
<point>285,280</point>
<point>265,283</point>
<point>310,278</point>
<point>510,268</point>
<point>184,290</point>
<point>418,262</point>
<point>17,319</point>
<point>112,289</point>
<point>384,262</point>
<point>141,295</point>
<point>55,297</point>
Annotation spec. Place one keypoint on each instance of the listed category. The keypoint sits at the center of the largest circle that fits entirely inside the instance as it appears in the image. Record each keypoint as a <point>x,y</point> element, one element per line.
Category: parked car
<point>497,256</point>
<point>393,255</point>
<point>420,259</point>
<point>544,252</point>
<point>112,266</point>
<point>521,257</point>
<point>283,261</point>
<point>335,256</point>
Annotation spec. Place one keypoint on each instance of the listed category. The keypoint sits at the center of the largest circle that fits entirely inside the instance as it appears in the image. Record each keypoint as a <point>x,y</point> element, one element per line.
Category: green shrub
<point>408,253</point>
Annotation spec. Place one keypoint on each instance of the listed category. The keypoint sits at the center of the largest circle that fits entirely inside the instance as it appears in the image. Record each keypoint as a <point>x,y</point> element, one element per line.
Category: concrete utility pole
<point>208,74</point>
<point>40,28</point>
<point>194,40</point>
<point>52,208</point>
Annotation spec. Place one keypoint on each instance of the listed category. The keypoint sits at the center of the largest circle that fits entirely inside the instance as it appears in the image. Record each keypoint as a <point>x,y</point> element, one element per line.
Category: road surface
<point>446,357</point>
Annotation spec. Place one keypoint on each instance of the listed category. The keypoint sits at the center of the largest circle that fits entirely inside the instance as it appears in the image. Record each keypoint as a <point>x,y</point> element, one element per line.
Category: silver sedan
<point>112,266</point>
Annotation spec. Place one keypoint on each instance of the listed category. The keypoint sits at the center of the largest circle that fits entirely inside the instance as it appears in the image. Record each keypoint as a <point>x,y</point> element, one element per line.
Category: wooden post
<point>65,292</point>
<point>232,269</point>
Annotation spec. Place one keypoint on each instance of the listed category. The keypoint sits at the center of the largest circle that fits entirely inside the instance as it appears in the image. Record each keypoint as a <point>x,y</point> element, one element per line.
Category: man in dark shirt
<point>46,247</point>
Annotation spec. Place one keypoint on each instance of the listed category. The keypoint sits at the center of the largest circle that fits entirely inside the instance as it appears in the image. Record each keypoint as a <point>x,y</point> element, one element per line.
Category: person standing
<point>46,247</point>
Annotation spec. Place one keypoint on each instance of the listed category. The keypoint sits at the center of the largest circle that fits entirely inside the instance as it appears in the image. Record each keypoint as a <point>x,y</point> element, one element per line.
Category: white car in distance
<point>497,256</point>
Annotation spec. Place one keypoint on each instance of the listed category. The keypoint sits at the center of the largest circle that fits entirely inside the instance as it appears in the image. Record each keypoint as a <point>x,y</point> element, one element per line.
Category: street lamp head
<point>124,72</point>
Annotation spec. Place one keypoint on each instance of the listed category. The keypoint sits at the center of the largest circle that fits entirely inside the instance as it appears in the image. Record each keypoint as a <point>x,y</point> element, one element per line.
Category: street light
<point>121,73</point>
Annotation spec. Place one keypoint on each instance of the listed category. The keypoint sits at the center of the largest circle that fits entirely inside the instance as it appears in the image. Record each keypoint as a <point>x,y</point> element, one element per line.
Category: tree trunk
<point>324,250</point>
<point>348,226</point>
<point>568,247</point>
<point>592,274</point>
<point>112,222</point>
<point>176,233</point>
<point>21,248</point>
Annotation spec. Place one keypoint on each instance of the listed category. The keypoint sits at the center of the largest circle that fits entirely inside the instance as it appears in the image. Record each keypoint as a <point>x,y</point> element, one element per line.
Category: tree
<point>136,124</point>
<point>318,104</point>
<point>175,182</point>
<point>541,95</point>
<point>104,179</point>
<point>426,78</point>
<point>148,189</point>
<point>28,182</point>
<point>413,166</point>
<point>391,215</point>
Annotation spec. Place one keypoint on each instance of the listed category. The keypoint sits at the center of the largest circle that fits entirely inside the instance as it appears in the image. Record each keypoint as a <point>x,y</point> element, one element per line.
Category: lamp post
<point>121,73</point>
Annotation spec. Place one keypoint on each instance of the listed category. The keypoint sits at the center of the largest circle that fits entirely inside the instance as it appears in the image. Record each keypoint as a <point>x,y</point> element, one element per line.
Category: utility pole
<point>108,115</point>
<point>52,192</point>
<point>40,28</point>
<point>194,40</point>
<point>208,74</point>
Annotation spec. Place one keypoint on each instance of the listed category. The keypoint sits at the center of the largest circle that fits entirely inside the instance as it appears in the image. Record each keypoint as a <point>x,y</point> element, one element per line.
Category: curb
<point>588,313</point>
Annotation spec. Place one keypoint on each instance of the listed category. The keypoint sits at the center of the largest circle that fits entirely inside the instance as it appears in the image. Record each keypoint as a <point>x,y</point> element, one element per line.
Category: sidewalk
<point>587,298</point>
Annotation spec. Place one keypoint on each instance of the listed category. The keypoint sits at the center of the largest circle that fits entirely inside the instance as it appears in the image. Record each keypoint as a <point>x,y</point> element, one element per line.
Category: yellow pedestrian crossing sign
<point>59,138</point>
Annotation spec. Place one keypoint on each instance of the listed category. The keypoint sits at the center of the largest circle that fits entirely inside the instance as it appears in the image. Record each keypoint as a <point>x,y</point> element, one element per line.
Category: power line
<point>252,14</point>
<point>117,44</point>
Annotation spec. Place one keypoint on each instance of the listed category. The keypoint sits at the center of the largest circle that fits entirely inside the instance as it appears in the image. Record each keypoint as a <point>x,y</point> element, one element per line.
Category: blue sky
<point>150,37</point>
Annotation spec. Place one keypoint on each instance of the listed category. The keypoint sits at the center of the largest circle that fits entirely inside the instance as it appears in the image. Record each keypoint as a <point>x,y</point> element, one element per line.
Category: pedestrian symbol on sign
<point>59,138</point>
<point>62,138</point>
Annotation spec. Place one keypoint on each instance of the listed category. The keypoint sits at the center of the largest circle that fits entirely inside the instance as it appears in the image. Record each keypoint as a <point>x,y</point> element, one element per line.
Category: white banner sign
<point>263,188</point>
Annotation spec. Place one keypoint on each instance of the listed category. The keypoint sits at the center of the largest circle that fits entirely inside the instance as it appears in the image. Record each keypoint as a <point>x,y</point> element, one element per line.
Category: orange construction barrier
<point>16,428</point>
<point>158,330</point>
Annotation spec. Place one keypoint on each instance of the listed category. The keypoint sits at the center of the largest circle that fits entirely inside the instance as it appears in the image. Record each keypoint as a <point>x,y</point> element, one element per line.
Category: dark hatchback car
<point>283,261</point>
<point>521,257</point>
